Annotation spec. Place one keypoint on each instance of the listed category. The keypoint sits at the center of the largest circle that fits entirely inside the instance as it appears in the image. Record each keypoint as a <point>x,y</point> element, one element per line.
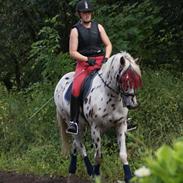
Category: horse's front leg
<point>78,145</point>
<point>121,137</point>
<point>95,133</point>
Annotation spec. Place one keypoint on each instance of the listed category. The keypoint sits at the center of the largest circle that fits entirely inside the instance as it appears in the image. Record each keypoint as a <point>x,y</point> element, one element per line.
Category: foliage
<point>166,166</point>
<point>21,23</point>
<point>132,28</point>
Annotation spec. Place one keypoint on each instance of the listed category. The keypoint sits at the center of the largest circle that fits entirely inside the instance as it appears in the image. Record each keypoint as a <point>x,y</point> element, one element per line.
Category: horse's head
<point>129,80</point>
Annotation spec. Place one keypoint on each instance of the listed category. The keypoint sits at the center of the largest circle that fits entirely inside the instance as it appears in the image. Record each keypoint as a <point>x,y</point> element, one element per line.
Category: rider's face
<point>86,16</point>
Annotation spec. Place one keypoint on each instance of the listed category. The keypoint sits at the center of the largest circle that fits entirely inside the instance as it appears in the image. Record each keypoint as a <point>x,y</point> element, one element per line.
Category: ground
<point>12,177</point>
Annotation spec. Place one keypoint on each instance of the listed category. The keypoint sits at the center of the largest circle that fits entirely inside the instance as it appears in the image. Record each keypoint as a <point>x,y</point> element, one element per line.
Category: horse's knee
<point>123,157</point>
<point>98,157</point>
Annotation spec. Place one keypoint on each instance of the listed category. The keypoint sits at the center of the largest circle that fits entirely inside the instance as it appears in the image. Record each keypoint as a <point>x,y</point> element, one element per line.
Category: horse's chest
<point>103,108</point>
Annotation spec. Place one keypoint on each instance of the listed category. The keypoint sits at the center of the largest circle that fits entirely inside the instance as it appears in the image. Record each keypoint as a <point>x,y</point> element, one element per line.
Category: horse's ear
<point>122,61</point>
<point>137,61</point>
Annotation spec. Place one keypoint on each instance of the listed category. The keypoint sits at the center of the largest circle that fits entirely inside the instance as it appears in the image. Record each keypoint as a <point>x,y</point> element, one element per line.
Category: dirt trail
<point>12,177</point>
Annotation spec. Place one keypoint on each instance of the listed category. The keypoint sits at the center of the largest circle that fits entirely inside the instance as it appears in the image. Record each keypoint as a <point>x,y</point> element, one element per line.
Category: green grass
<point>31,144</point>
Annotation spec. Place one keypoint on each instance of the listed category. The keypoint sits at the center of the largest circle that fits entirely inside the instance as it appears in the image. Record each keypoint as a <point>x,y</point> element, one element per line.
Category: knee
<point>98,157</point>
<point>123,157</point>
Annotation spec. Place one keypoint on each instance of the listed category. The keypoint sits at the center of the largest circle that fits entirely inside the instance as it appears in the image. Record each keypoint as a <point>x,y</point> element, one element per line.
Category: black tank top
<point>89,40</point>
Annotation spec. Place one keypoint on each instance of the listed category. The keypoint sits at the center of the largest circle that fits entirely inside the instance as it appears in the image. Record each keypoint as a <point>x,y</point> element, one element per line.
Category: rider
<point>87,40</point>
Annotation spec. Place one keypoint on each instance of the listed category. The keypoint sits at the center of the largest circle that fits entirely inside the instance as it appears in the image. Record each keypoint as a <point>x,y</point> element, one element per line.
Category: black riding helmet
<point>84,6</point>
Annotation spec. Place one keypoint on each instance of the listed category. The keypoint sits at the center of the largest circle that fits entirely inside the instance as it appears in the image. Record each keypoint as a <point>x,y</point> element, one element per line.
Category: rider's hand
<point>104,60</point>
<point>91,61</point>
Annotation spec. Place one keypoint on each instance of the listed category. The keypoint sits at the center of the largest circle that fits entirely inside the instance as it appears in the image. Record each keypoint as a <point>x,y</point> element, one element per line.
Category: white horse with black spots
<point>106,106</point>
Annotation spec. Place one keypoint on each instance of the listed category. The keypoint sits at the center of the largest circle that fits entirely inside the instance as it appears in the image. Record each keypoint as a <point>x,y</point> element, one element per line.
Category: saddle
<point>85,87</point>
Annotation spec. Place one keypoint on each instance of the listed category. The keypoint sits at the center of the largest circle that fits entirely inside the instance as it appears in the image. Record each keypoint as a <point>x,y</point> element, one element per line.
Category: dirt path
<point>12,177</point>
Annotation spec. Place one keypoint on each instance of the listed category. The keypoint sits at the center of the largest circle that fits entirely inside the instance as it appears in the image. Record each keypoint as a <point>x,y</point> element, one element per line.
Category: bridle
<point>120,89</point>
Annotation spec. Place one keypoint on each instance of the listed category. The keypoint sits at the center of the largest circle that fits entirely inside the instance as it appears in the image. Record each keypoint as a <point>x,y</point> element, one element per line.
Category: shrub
<point>166,166</point>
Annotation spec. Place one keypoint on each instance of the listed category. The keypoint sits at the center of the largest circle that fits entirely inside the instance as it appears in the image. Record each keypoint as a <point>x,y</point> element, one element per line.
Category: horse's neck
<point>109,72</point>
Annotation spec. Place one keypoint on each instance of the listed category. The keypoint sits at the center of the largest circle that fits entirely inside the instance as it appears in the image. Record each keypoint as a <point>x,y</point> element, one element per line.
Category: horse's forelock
<point>130,79</point>
<point>131,74</point>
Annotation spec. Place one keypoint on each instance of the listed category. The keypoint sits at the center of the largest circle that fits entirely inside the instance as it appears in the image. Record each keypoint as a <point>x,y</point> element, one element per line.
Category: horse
<point>111,95</point>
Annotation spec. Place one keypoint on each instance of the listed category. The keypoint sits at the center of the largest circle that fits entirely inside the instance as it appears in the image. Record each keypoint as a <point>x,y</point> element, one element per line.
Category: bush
<point>165,167</point>
<point>132,27</point>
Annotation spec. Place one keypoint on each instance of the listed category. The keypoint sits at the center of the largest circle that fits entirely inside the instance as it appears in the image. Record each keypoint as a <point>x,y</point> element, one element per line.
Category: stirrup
<point>130,125</point>
<point>72,128</point>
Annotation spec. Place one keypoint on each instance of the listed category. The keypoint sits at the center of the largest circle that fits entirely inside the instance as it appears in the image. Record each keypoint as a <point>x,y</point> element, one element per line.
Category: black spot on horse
<point>96,145</point>
<point>66,78</point>
<point>91,113</point>
<point>74,151</point>
<point>112,105</point>
<point>89,100</point>
<point>104,115</point>
<point>118,120</point>
<point>98,139</point>
<point>85,100</point>
<point>102,99</point>
<point>109,100</point>
<point>104,110</point>
<point>92,90</point>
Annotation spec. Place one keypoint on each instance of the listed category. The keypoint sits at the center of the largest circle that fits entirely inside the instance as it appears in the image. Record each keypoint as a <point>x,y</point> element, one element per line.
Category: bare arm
<point>106,41</point>
<point>73,46</point>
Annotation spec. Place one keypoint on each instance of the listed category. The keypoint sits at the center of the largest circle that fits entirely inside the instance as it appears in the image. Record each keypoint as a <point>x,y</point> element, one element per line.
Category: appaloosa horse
<point>105,106</point>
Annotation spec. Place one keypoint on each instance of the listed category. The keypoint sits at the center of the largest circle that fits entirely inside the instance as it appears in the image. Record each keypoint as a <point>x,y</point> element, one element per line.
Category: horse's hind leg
<point>78,143</point>
<point>121,136</point>
<point>73,162</point>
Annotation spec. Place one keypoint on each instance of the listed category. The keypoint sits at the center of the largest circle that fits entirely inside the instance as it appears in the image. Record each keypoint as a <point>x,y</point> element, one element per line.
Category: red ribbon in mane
<point>130,79</point>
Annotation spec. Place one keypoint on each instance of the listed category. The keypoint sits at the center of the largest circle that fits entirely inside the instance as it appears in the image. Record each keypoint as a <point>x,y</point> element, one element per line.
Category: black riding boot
<point>74,115</point>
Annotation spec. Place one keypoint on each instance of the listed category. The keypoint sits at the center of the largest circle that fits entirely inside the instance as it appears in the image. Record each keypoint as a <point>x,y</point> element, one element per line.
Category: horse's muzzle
<point>130,102</point>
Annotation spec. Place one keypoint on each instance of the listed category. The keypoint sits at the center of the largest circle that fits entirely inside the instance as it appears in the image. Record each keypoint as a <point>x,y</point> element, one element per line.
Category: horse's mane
<point>114,61</point>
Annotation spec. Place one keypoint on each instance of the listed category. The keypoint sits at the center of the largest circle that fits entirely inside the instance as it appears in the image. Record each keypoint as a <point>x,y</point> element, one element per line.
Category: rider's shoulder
<point>100,27</point>
<point>74,31</point>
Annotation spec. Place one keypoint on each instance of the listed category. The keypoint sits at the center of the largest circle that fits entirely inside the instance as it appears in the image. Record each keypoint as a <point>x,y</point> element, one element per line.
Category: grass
<point>32,146</point>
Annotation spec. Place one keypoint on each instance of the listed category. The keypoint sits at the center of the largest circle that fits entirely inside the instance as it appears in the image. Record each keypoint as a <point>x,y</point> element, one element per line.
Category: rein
<point>107,85</point>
